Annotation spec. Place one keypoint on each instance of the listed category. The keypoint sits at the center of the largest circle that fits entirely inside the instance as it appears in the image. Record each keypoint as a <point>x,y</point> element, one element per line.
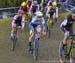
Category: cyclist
<point>43,4</point>
<point>24,7</point>
<point>67,27</point>
<point>34,7</point>
<point>52,11</point>
<point>36,20</point>
<point>49,3</point>
<point>19,21</point>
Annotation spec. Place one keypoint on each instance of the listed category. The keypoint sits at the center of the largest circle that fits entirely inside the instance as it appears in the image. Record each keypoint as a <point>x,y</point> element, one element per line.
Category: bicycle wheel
<point>35,48</point>
<point>71,53</point>
<point>14,40</point>
<point>62,54</point>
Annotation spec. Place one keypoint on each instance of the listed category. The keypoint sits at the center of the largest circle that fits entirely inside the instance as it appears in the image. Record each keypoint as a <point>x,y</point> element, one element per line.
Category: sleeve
<point>31,6</point>
<point>64,23</point>
<point>48,9</point>
<point>49,3</point>
<point>14,18</point>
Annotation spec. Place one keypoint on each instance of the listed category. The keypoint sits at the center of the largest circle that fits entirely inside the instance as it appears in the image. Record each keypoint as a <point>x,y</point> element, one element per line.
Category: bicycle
<point>35,45</point>
<point>68,54</point>
<point>14,39</point>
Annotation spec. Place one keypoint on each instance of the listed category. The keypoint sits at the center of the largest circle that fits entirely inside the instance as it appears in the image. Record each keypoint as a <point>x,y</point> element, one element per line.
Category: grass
<point>48,48</point>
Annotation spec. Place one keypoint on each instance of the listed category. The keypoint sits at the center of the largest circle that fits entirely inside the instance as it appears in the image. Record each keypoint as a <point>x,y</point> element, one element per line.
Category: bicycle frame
<point>35,45</point>
<point>69,52</point>
<point>65,56</point>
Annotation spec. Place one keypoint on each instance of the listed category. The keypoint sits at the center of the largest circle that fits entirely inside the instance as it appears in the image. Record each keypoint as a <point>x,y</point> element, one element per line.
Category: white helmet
<point>38,13</point>
<point>35,2</point>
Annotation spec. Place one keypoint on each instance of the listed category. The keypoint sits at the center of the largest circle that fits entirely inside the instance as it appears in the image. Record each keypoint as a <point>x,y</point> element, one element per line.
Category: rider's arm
<point>48,9</point>
<point>38,8</point>
<point>14,18</point>
<point>49,3</point>
<point>32,22</point>
<point>31,7</point>
<point>64,23</point>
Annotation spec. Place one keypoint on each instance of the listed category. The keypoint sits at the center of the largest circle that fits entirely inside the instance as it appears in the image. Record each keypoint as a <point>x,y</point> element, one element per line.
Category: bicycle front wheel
<point>14,40</point>
<point>62,54</point>
<point>35,49</point>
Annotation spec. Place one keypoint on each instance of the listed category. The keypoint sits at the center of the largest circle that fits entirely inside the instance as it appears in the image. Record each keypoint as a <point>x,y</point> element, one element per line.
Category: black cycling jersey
<point>18,20</point>
<point>69,22</point>
<point>52,11</point>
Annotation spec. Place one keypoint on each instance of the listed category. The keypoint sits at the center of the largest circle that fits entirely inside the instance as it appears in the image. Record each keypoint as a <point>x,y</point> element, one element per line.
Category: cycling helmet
<point>23,4</point>
<point>54,4</point>
<point>35,2</point>
<point>38,13</point>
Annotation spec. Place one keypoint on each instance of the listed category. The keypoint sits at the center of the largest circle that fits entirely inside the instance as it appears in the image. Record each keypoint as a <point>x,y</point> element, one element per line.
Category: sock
<point>30,44</point>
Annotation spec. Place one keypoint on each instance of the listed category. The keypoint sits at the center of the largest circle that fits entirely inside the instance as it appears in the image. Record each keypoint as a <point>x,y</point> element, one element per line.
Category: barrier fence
<point>5,12</point>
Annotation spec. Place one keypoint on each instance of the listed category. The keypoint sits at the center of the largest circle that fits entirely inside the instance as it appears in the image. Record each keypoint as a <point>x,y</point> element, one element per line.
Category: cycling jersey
<point>18,20</point>
<point>49,3</point>
<point>24,7</point>
<point>67,23</point>
<point>52,11</point>
<point>34,23</point>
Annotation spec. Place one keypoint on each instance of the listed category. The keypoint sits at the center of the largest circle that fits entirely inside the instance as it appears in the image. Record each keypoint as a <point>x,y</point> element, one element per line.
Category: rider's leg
<point>13,29</point>
<point>18,31</point>
<point>30,38</point>
<point>64,45</point>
